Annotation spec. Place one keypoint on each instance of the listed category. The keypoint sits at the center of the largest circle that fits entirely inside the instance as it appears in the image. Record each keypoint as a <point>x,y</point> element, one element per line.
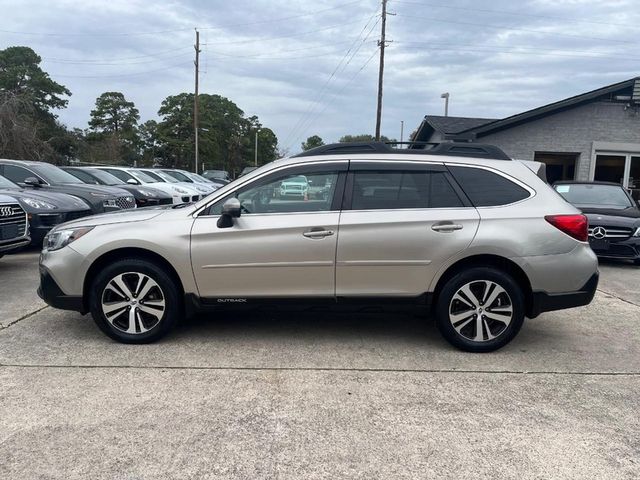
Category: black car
<point>44,209</point>
<point>46,177</point>
<point>614,217</point>
<point>145,196</point>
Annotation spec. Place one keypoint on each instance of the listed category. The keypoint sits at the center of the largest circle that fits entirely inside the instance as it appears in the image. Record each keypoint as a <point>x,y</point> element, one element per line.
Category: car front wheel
<point>480,309</point>
<point>135,301</point>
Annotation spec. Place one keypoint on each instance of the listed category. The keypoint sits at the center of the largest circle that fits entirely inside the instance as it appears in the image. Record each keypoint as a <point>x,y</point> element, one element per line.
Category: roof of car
<point>24,162</point>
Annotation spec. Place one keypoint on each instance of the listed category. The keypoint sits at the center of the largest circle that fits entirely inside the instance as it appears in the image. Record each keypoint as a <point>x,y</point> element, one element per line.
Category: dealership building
<point>591,136</point>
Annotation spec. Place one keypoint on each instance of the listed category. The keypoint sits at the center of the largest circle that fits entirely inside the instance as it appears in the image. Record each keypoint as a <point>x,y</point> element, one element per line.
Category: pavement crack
<point>324,369</point>
<point>24,317</point>
<point>619,298</point>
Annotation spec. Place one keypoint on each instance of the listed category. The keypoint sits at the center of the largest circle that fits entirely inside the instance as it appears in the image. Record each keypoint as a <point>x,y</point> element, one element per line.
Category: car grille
<point>13,222</point>
<point>125,202</point>
<point>195,198</point>
<point>185,199</point>
<point>613,233</point>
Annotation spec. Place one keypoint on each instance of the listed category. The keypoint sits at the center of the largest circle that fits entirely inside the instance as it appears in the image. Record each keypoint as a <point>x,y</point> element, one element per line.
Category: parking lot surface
<point>301,395</point>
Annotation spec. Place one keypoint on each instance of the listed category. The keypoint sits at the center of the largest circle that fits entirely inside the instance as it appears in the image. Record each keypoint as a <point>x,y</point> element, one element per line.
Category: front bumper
<point>624,249</point>
<point>52,294</point>
<point>547,302</point>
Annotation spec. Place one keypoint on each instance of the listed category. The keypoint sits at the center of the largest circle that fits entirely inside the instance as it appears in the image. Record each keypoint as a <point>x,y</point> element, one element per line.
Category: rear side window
<point>386,189</point>
<point>487,189</point>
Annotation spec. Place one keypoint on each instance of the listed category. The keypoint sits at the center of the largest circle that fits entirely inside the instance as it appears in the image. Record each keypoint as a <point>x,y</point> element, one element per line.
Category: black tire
<point>503,334</point>
<point>173,309</point>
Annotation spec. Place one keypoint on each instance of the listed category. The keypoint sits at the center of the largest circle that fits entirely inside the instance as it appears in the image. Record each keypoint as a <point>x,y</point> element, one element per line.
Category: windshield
<point>105,177</point>
<point>159,177</point>
<point>591,194</point>
<point>177,175</point>
<point>142,177</point>
<point>54,175</point>
<point>198,178</point>
<point>5,183</point>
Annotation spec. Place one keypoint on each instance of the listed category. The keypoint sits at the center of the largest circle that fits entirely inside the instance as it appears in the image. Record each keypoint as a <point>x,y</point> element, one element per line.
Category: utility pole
<point>256,149</point>
<point>401,132</point>
<point>381,44</point>
<point>195,101</point>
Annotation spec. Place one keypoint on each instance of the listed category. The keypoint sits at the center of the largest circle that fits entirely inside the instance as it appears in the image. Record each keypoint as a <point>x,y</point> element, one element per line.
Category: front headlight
<point>57,239</point>
<point>637,232</point>
<point>145,193</point>
<point>39,204</point>
<point>180,191</point>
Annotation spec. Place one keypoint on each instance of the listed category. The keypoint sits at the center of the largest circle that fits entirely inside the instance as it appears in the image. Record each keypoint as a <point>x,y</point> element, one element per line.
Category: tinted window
<point>54,175</point>
<point>86,178</point>
<point>17,174</point>
<point>124,176</point>
<point>313,192</point>
<point>381,190</point>
<point>487,189</point>
<point>4,183</point>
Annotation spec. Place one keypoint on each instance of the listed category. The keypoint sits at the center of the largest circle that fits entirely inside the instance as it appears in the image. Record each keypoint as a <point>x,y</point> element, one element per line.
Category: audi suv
<point>462,232</point>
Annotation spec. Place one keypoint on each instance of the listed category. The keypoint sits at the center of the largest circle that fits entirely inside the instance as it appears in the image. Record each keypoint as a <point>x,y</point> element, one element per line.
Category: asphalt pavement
<point>301,395</point>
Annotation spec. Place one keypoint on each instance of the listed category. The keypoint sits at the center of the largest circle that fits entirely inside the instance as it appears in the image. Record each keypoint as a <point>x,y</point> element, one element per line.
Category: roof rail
<point>452,149</point>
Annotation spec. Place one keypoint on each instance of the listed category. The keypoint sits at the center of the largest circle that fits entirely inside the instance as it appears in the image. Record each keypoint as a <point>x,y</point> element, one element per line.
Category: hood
<point>593,210</point>
<point>89,189</point>
<point>135,190</point>
<point>62,201</point>
<point>123,216</point>
<point>6,199</point>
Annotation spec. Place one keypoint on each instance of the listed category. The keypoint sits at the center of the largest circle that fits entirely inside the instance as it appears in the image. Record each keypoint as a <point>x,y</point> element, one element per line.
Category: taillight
<point>576,226</point>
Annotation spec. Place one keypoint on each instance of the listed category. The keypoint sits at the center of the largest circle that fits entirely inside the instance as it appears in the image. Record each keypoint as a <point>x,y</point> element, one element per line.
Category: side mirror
<point>230,210</point>
<point>133,181</point>
<point>32,182</point>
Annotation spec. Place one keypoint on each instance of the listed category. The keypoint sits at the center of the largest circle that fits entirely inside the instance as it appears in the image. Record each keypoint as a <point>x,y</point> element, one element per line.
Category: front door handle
<point>446,227</point>
<point>318,232</point>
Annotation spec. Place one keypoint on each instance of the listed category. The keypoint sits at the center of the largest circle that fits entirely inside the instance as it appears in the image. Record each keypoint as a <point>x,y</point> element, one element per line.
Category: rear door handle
<point>446,227</point>
<point>318,232</point>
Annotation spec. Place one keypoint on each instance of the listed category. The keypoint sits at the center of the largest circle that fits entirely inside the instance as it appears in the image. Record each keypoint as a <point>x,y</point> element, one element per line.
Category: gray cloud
<point>496,58</point>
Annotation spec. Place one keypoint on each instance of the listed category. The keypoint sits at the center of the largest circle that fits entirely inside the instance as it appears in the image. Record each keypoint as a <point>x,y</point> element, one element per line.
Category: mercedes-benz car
<point>46,177</point>
<point>459,231</point>
<point>614,217</point>
<point>145,196</point>
<point>44,209</point>
<point>160,176</point>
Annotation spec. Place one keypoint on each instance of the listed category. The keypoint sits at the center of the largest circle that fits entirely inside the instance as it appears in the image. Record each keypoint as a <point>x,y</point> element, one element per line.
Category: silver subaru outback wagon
<point>460,231</point>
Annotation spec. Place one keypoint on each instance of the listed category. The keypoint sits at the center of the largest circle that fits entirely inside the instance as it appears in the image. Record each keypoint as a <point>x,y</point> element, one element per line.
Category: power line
<point>517,49</point>
<point>137,57</point>
<point>163,69</point>
<point>513,29</point>
<point>503,12</point>
<point>307,114</point>
<point>273,20</point>
<point>260,55</point>
<point>291,35</point>
<point>344,87</point>
<point>114,63</point>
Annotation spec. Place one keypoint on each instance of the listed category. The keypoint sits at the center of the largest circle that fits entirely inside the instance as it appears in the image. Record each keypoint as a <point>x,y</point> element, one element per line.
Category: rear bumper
<point>546,302</point>
<point>52,294</point>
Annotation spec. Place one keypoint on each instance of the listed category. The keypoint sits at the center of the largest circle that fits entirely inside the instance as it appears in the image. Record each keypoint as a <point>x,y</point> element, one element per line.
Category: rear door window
<point>487,189</point>
<point>397,189</point>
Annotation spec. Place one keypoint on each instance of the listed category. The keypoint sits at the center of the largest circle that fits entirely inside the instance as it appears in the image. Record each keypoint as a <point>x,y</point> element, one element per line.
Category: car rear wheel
<point>135,301</point>
<point>480,309</point>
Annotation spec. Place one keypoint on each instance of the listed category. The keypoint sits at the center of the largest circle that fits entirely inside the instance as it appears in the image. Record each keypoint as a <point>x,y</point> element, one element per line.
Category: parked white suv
<point>459,230</point>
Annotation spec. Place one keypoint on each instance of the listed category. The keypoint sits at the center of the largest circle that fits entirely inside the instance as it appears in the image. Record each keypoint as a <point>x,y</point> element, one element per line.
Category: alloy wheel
<point>480,310</point>
<point>133,303</point>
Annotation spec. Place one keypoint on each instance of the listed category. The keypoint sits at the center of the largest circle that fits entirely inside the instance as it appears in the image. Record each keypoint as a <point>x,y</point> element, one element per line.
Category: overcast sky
<point>311,67</point>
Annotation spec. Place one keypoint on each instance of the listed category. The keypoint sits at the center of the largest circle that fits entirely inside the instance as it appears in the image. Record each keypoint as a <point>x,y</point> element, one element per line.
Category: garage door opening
<point>560,166</point>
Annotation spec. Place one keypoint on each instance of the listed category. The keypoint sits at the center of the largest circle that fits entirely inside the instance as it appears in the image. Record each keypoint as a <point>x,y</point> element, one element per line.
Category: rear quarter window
<point>487,189</point>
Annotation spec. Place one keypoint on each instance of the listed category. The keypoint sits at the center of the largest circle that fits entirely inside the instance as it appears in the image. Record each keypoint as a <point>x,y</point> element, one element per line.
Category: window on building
<point>610,168</point>
<point>559,166</point>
